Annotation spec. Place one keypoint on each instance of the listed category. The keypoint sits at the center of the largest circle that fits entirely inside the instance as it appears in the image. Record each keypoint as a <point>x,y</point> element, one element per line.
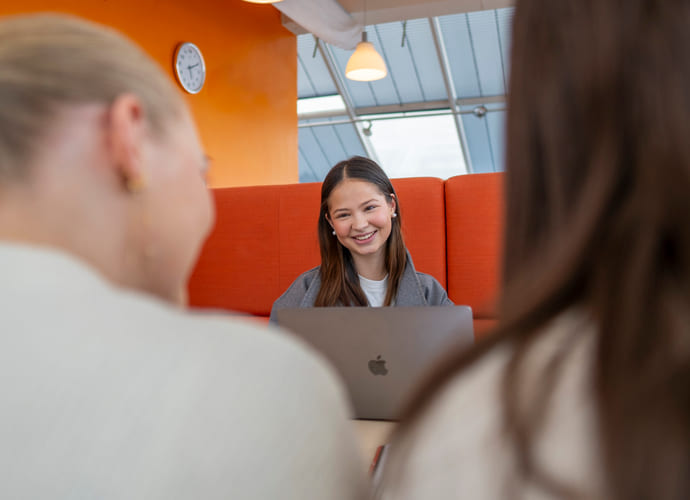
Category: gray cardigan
<point>416,289</point>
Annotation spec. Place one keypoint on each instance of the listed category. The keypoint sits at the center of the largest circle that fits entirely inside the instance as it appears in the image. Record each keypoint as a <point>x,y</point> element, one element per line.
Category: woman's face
<point>178,208</point>
<point>361,217</point>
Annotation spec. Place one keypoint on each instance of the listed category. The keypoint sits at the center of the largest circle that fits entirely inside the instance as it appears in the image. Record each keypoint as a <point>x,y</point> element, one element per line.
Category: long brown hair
<point>598,199</point>
<point>339,281</point>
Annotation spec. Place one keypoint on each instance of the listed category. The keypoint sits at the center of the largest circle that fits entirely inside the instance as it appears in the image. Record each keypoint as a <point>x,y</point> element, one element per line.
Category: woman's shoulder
<point>308,276</point>
<point>219,350</point>
<point>459,427</point>
<point>424,279</point>
<point>302,283</point>
<point>464,425</point>
<point>434,293</point>
<point>301,293</point>
<point>427,280</point>
<point>420,289</point>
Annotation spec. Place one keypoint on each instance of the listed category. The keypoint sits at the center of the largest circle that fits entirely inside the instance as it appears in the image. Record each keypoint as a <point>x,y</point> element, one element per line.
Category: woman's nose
<point>360,221</point>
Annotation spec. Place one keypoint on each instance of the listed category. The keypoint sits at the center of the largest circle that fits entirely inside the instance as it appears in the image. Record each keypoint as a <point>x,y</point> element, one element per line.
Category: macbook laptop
<point>381,352</point>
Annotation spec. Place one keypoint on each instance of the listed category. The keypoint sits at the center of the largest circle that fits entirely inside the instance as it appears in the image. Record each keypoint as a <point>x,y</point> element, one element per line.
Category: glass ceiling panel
<point>504,18</point>
<point>420,43</point>
<point>487,52</point>
<point>412,144</point>
<point>402,71</point>
<point>485,137</point>
<point>457,37</point>
<point>322,145</point>
<point>313,78</point>
<point>307,173</point>
<point>495,122</point>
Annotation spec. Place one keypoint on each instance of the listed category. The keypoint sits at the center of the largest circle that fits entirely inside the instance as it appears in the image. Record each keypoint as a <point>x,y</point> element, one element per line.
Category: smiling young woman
<point>364,261</point>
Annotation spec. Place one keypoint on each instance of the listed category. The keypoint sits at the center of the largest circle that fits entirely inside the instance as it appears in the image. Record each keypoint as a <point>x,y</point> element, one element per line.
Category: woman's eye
<point>341,216</point>
<point>370,207</point>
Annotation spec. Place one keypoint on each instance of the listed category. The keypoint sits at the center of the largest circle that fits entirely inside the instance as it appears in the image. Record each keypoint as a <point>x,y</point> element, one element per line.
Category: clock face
<point>189,67</point>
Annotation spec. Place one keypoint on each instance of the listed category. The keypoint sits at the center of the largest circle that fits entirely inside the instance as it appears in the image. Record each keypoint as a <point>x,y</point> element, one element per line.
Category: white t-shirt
<point>374,290</point>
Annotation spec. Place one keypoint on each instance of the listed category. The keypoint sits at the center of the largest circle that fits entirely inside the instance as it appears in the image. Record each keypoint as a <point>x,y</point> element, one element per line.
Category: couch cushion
<point>238,266</point>
<point>422,205</point>
<point>474,211</point>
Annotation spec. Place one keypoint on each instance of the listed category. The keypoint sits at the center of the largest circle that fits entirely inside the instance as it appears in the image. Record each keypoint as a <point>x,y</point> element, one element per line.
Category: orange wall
<point>246,111</point>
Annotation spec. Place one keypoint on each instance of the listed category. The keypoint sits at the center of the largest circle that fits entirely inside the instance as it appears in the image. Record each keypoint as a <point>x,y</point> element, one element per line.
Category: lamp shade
<point>365,64</point>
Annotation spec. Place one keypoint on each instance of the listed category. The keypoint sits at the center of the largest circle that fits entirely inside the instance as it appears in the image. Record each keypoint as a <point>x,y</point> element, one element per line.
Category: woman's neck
<point>371,267</point>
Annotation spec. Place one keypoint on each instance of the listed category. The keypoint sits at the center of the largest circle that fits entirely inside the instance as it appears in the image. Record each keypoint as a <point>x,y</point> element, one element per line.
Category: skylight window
<point>313,107</point>
<point>417,146</point>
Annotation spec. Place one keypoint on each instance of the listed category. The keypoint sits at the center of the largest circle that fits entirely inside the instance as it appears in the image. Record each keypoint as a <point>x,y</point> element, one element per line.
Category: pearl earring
<point>334,232</point>
<point>395,215</point>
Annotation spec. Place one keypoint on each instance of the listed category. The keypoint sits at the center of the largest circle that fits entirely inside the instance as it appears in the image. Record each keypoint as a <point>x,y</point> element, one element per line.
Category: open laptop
<point>381,352</point>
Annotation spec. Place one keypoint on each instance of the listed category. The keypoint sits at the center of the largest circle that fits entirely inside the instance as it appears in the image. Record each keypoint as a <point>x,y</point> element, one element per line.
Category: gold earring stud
<point>136,184</point>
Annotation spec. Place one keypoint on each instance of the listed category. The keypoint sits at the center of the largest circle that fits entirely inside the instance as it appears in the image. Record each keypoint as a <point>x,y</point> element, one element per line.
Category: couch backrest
<point>265,236</point>
<point>474,213</point>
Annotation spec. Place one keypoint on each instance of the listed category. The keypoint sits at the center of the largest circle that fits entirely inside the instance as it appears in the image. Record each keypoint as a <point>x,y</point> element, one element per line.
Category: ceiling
<point>441,109</point>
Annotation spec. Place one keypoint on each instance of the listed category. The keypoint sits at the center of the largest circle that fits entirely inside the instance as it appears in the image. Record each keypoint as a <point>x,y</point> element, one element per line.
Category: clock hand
<point>189,68</point>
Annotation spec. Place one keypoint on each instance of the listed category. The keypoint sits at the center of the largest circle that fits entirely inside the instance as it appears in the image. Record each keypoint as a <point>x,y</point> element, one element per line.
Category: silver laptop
<point>381,352</point>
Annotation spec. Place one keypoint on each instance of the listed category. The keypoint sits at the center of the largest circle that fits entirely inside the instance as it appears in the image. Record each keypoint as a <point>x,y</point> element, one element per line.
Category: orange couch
<point>265,236</point>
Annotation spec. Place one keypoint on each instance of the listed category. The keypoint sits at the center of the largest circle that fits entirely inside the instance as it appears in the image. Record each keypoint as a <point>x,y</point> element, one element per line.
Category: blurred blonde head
<point>98,153</point>
<point>49,61</point>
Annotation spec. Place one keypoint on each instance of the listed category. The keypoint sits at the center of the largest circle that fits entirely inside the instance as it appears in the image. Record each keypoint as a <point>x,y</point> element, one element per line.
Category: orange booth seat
<point>265,236</point>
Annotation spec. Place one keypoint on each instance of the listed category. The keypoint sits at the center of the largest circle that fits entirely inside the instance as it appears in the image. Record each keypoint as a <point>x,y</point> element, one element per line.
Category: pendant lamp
<point>365,65</point>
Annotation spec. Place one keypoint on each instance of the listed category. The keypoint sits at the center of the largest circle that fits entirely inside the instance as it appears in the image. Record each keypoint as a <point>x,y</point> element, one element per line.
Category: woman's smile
<point>365,238</point>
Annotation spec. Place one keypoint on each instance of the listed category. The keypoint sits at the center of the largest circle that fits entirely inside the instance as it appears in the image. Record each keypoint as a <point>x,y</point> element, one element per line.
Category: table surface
<point>371,434</point>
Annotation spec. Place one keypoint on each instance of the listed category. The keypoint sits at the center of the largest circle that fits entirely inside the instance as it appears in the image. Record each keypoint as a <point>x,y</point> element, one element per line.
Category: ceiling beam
<point>442,55</point>
<point>410,107</point>
<point>340,23</point>
<point>423,106</point>
<point>342,90</point>
<point>388,11</point>
<point>330,119</point>
<point>325,19</point>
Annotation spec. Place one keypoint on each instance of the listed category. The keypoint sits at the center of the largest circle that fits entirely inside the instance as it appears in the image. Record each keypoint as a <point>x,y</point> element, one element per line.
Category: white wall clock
<point>189,67</point>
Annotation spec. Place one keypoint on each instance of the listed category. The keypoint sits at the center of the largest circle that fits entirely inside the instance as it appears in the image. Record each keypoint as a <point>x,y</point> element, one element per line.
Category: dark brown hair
<point>598,199</point>
<point>339,281</point>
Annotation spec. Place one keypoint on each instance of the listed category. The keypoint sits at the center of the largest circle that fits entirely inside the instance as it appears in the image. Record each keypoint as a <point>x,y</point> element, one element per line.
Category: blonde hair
<point>48,61</point>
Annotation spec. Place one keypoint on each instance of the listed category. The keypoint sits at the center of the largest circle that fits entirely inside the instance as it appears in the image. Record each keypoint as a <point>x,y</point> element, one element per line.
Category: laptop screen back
<point>381,352</point>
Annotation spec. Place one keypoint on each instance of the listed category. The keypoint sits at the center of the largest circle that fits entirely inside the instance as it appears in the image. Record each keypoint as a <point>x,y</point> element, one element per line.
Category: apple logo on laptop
<point>378,366</point>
